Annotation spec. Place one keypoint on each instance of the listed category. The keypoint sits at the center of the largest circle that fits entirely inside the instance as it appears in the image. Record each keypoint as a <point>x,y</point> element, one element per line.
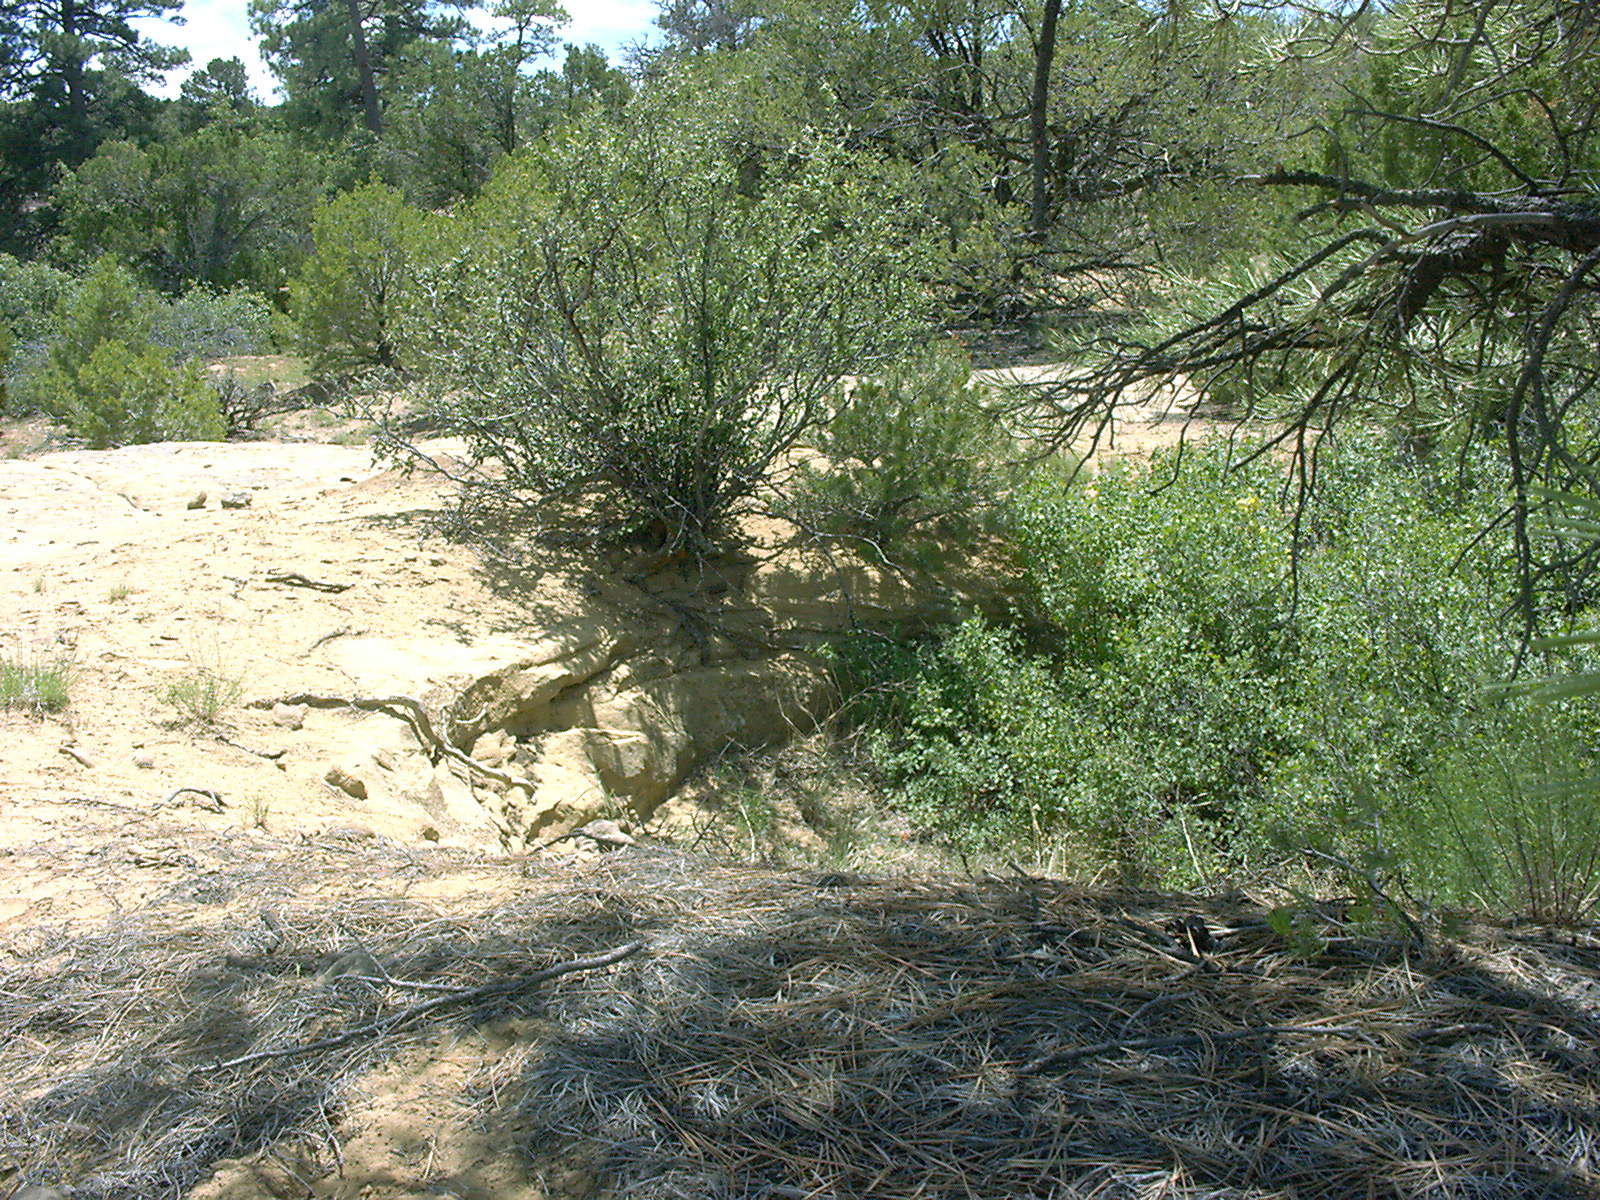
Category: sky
<point>221,29</point>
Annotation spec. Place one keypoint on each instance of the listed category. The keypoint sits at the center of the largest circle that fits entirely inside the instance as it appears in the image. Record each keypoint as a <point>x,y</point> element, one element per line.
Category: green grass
<point>39,685</point>
<point>202,696</point>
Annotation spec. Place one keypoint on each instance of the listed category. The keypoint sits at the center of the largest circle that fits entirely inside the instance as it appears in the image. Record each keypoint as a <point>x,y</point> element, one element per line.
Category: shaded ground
<point>346,1019</point>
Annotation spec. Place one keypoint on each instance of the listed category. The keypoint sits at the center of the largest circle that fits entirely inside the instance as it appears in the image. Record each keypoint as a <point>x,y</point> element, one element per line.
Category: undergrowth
<point>1177,694</point>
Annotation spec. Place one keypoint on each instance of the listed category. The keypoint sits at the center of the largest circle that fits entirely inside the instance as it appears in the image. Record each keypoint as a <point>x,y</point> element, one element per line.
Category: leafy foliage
<point>109,384</point>
<point>909,462</point>
<point>346,300</point>
<point>124,394</point>
<point>1165,694</point>
<point>636,317</point>
<point>221,206</point>
<point>214,324</point>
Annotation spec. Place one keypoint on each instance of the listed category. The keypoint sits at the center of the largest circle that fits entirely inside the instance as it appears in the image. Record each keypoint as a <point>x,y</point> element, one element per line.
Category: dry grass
<point>803,1035</point>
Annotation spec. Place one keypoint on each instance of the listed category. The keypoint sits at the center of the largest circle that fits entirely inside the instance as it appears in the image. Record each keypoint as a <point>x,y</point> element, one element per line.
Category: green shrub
<point>51,315</point>
<point>107,383</point>
<point>8,343</point>
<point>207,324</point>
<point>31,293</point>
<point>107,304</point>
<point>910,463</point>
<point>636,317</point>
<point>346,300</point>
<point>1509,814</point>
<point>126,394</point>
<point>1165,697</point>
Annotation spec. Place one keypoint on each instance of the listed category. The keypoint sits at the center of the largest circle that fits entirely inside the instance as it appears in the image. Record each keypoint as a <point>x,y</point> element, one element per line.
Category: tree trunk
<point>369,87</point>
<point>1039,214</point>
<point>72,66</point>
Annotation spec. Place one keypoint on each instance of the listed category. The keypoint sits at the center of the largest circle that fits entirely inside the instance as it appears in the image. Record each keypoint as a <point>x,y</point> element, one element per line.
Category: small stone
<point>346,782</point>
<point>430,834</point>
<point>494,749</point>
<point>350,833</point>
<point>289,716</point>
<point>199,500</point>
<point>237,500</point>
<point>436,560</point>
<point>605,833</point>
<point>145,763</point>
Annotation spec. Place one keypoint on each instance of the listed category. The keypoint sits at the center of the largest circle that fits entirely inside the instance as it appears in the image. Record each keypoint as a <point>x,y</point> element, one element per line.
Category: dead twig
<point>412,1013</point>
<point>417,717</point>
<point>296,579</point>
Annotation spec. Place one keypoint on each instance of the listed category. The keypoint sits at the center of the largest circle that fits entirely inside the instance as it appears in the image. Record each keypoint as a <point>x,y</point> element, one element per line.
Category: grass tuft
<point>37,685</point>
<point>202,696</point>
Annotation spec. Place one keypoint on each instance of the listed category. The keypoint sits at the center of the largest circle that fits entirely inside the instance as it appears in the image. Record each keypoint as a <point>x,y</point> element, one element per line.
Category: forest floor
<point>225,974</point>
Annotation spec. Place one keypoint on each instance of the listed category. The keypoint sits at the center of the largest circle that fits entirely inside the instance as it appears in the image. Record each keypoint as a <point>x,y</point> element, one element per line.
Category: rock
<point>347,782</point>
<point>145,762</point>
<point>199,501</point>
<point>606,833</point>
<point>559,814</point>
<point>460,811</point>
<point>350,833</point>
<point>643,740</point>
<point>289,716</point>
<point>494,749</point>
<point>517,694</point>
<point>237,500</point>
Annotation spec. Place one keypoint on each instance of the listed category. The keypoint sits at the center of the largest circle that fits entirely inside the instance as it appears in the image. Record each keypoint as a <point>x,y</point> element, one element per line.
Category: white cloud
<point>221,29</point>
<point>211,29</point>
<point>610,24</point>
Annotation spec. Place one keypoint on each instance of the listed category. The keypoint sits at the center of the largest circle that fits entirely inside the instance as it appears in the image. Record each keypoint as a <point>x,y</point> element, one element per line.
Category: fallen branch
<point>215,798</point>
<point>1177,1040</point>
<point>417,717</point>
<point>75,756</point>
<point>295,579</point>
<point>458,996</point>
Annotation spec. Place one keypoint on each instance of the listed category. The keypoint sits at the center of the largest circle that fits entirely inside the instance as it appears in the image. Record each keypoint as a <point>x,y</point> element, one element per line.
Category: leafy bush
<point>207,324</point>
<point>1508,816</point>
<point>126,394</point>
<point>106,304</point>
<point>1139,691</point>
<point>108,384</point>
<point>912,457</point>
<point>30,295</point>
<point>346,300</point>
<point>640,318</point>
<point>8,343</point>
<point>1165,697</point>
<point>218,207</point>
<point>33,297</point>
